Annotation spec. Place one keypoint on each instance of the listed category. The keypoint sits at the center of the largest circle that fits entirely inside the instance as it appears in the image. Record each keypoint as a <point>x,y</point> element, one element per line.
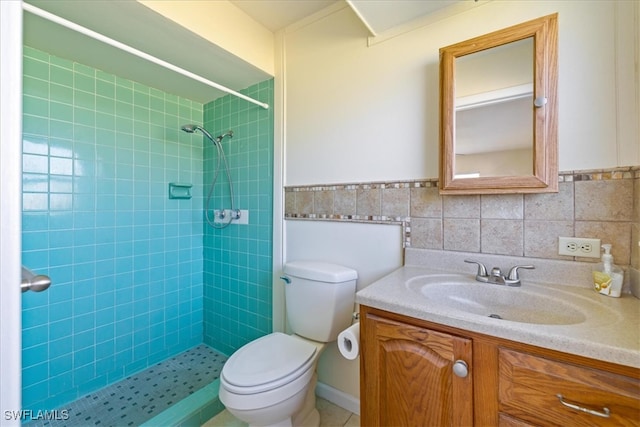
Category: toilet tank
<point>319,297</point>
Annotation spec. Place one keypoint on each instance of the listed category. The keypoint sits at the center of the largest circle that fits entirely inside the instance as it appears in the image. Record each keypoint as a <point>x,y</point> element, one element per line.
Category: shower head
<point>189,128</point>
<point>192,128</point>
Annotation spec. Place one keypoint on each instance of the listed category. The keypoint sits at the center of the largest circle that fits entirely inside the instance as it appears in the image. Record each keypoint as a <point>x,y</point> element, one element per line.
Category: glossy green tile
<point>60,129</point>
<point>84,69</point>
<point>36,68</point>
<point>61,93</point>
<point>62,75</point>
<point>87,195</point>
<point>84,99</point>
<point>35,87</point>
<point>35,125</point>
<point>60,111</point>
<point>36,105</point>
<point>238,250</point>
<point>124,94</point>
<point>84,116</point>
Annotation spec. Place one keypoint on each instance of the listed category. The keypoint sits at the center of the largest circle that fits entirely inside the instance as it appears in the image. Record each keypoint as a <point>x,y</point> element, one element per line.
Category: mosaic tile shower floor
<point>140,397</point>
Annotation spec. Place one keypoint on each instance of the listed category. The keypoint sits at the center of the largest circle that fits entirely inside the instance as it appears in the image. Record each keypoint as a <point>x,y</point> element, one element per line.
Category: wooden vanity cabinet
<point>407,379</point>
<point>407,375</point>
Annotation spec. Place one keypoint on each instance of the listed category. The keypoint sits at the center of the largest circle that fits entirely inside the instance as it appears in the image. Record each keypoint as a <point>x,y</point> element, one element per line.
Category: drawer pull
<point>604,414</point>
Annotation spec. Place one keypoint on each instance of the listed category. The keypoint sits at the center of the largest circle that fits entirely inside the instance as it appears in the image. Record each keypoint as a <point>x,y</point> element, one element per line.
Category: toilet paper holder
<point>349,342</point>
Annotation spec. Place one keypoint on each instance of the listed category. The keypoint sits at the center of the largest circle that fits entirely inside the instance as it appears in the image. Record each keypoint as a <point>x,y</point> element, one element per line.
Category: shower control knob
<point>461,369</point>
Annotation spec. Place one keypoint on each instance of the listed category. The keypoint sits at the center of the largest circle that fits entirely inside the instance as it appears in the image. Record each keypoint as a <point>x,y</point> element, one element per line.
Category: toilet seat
<point>267,363</point>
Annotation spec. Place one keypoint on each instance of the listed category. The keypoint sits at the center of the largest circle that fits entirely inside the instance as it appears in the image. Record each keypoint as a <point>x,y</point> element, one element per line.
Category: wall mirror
<point>498,100</point>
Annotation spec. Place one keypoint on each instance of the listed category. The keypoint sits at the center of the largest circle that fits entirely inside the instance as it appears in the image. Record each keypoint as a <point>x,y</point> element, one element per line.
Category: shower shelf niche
<point>179,191</point>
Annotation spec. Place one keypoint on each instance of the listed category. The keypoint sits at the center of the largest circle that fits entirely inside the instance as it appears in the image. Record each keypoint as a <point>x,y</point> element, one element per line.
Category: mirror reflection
<point>494,111</point>
<point>498,103</point>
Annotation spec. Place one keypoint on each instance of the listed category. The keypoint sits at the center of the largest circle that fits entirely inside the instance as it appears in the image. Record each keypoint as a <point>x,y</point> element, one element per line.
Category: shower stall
<point>137,278</point>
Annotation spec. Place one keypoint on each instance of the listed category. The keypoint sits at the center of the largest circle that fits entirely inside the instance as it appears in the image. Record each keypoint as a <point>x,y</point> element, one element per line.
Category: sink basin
<point>517,304</point>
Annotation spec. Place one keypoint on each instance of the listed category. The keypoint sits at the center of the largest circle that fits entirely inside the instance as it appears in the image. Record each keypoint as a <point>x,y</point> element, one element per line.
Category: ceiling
<point>382,15</point>
<point>377,15</point>
<point>278,14</point>
<point>137,26</point>
<point>134,24</point>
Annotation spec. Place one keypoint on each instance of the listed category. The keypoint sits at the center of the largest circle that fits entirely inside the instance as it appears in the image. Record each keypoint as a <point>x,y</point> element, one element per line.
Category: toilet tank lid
<point>320,271</point>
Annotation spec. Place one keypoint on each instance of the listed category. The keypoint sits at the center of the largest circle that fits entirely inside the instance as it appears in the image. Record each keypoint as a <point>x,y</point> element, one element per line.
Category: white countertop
<point>611,330</point>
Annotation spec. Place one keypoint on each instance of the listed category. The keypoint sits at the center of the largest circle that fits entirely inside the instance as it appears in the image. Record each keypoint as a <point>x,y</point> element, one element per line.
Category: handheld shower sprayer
<point>191,128</point>
<point>217,142</point>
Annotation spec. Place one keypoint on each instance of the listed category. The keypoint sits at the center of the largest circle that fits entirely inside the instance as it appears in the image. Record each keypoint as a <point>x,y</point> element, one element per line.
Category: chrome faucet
<point>496,276</point>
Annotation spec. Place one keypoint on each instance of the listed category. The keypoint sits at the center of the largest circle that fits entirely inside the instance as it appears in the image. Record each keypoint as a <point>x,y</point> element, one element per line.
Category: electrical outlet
<point>578,246</point>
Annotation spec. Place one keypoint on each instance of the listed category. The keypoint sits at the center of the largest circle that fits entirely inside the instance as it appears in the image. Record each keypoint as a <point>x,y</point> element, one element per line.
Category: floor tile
<point>331,415</point>
<point>140,397</point>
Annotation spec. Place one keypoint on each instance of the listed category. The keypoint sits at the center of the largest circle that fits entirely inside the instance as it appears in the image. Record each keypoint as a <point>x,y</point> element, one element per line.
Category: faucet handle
<point>482,270</point>
<point>513,273</point>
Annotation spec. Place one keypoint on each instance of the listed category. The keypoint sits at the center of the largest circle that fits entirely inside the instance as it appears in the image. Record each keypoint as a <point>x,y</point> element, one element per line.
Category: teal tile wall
<point>238,259</point>
<point>125,261</point>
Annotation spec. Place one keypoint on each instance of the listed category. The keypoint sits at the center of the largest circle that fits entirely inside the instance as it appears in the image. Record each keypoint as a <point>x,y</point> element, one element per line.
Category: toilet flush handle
<point>285,279</point>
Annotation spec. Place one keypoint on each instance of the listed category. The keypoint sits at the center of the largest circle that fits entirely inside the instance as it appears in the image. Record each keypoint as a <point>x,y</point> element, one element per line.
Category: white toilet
<point>271,381</point>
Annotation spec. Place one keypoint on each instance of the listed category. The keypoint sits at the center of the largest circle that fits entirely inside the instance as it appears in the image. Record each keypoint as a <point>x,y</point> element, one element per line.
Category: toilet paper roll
<point>349,341</point>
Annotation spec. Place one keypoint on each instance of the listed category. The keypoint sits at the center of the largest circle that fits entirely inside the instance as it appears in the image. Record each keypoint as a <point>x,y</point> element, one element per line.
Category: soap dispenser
<point>607,277</point>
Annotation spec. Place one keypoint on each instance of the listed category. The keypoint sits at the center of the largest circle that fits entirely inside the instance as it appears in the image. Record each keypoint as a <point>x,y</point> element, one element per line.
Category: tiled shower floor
<point>140,397</point>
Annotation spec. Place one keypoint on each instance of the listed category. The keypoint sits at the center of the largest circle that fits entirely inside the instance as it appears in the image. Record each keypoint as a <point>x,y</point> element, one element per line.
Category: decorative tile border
<point>392,202</point>
<point>628,172</point>
<point>342,191</point>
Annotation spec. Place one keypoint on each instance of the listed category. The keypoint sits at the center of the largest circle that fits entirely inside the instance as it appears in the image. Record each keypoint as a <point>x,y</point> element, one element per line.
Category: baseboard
<point>340,398</point>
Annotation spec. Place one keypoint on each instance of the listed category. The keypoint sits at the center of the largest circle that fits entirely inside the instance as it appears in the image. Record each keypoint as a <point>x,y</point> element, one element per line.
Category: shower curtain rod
<point>97,36</point>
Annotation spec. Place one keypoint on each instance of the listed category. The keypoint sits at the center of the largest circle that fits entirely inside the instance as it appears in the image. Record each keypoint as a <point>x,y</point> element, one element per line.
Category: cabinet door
<point>407,376</point>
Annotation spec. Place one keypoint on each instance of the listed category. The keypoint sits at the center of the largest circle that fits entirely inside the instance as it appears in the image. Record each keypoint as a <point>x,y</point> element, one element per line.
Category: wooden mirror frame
<point>545,122</point>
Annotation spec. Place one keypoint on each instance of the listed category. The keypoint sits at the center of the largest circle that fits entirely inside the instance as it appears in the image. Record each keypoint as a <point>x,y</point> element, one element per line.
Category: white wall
<point>356,113</point>
<point>373,250</point>
<point>353,113</point>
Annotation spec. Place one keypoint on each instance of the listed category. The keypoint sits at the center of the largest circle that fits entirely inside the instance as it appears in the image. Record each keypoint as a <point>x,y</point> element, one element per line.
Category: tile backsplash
<point>602,204</point>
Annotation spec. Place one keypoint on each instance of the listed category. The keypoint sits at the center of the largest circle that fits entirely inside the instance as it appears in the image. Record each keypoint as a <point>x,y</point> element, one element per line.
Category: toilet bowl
<point>271,380</point>
<point>267,382</point>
